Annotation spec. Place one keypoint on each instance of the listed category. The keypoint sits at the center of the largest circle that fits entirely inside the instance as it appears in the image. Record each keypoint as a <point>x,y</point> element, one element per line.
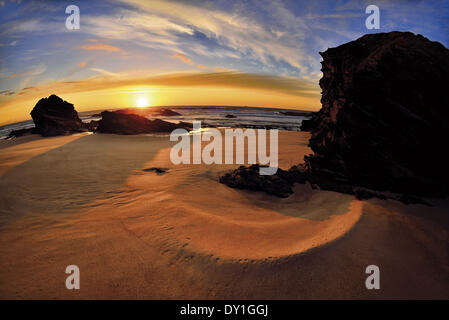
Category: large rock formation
<point>124,123</point>
<point>384,122</point>
<point>385,116</point>
<point>53,116</point>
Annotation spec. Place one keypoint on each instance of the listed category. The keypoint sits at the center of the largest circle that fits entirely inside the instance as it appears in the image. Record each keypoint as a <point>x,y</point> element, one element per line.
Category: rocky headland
<point>384,118</point>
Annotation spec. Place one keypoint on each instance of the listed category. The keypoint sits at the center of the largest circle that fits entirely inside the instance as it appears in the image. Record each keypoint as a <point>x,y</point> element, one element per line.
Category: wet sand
<point>86,200</point>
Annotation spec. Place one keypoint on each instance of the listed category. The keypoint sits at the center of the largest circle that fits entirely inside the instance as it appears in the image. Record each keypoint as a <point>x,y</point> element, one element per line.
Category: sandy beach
<point>86,200</point>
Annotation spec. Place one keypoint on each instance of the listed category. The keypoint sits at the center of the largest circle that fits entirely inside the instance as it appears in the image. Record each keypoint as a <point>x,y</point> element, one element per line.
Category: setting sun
<point>142,102</point>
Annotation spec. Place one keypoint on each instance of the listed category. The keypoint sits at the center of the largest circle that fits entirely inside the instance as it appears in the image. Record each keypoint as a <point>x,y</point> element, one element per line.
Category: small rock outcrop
<point>384,116</point>
<point>149,111</point>
<point>124,123</point>
<point>91,125</point>
<point>20,133</point>
<point>166,112</point>
<point>296,113</point>
<point>158,171</point>
<point>307,125</point>
<point>279,184</point>
<point>53,116</point>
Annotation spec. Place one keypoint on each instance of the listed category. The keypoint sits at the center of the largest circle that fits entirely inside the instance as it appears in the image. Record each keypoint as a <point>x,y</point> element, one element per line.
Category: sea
<point>210,116</point>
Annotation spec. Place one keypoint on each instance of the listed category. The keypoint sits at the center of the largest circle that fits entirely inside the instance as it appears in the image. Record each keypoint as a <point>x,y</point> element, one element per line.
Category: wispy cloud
<point>100,46</point>
<point>207,31</point>
<point>266,43</point>
<point>230,79</point>
<point>34,71</point>
<point>10,44</point>
<point>7,92</point>
<point>183,58</point>
<point>105,72</point>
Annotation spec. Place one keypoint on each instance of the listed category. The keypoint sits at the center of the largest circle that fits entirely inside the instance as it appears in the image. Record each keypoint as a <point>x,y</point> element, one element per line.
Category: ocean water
<point>245,117</point>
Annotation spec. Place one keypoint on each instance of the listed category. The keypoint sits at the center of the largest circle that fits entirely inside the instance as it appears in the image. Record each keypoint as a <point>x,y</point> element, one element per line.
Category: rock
<point>166,113</point>
<point>149,111</point>
<point>279,184</point>
<point>382,126</point>
<point>230,116</point>
<point>408,199</point>
<point>53,116</point>
<point>307,125</point>
<point>296,113</point>
<point>159,171</point>
<point>385,116</point>
<point>20,133</point>
<point>123,123</point>
<point>185,125</point>
<point>92,125</point>
<point>363,194</point>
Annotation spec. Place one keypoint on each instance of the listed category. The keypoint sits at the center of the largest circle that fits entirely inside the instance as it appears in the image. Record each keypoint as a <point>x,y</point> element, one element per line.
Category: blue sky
<point>128,38</point>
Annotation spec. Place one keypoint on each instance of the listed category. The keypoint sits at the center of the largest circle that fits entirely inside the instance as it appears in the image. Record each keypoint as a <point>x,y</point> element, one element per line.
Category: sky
<point>128,53</point>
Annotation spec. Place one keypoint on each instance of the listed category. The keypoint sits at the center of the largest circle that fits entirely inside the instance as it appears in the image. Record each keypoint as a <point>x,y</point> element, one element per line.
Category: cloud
<point>81,66</point>
<point>187,60</point>
<point>100,46</point>
<point>208,31</point>
<point>10,44</point>
<point>105,72</point>
<point>183,58</point>
<point>7,92</point>
<point>37,70</point>
<point>230,79</point>
<point>253,36</point>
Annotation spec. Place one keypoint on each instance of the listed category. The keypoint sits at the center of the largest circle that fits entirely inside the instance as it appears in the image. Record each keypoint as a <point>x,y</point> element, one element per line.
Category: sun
<point>142,102</point>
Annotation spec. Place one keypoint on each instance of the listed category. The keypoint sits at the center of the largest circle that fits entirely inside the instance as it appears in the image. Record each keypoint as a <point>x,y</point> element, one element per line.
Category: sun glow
<point>142,102</point>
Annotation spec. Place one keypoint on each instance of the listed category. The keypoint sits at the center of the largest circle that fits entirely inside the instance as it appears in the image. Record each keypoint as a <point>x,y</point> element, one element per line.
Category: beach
<point>86,200</point>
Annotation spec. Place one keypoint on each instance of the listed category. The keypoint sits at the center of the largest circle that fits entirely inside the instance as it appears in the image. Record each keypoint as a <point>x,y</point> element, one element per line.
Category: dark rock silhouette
<point>20,133</point>
<point>123,123</point>
<point>279,184</point>
<point>53,116</point>
<point>383,126</point>
<point>296,113</point>
<point>384,116</point>
<point>166,112</point>
<point>92,125</point>
<point>230,116</point>
<point>159,171</point>
<point>185,125</point>
<point>149,111</point>
<point>308,124</point>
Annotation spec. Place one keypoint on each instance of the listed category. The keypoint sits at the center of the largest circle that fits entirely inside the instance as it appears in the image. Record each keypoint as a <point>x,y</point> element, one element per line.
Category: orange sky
<point>187,88</point>
<point>176,52</point>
